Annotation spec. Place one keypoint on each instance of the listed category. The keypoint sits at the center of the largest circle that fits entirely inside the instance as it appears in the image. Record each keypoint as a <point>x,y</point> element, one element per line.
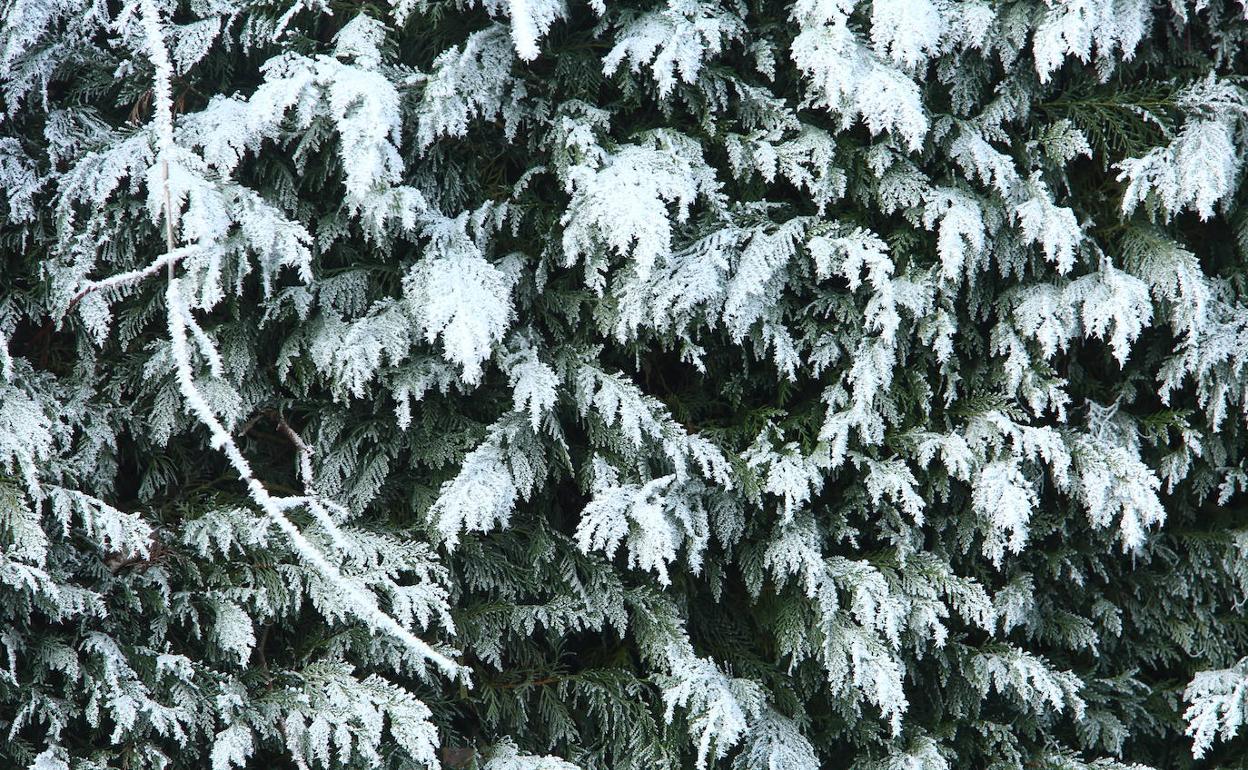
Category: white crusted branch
<point>359,601</point>
<point>170,258</point>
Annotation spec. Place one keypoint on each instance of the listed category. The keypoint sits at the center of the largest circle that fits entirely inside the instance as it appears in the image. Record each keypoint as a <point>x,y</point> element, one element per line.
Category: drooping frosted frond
<point>721,708</point>
<point>853,81</point>
<point>654,519</point>
<point>790,475</point>
<point>1113,306</point>
<point>505,756</point>
<point>466,83</point>
<point>1195,171</point>
<point>455,294</point>
<point>1078,28</point>
<point>530,21</point>
<point>1199,168</point>
<point>675,42</point>
<point>1053,227</point>
<point>1218,706</point>
<point>20,179</point>
<point>1029,679</point>
<point>622,205</point>
<point>493,477</point>
<point>25,436</point>
<point>776,743</point>
<point>338,714</point>
<point>958,220</point>
<point>535,385</point>
<point>921,753</point>
<point>1006,499</point>
<point>37,37</point>
<point>1117,488</point>
<point>906,32</point>
<point>347,90</point>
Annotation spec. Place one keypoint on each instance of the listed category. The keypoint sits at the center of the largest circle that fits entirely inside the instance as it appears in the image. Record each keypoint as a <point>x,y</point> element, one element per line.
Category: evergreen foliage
<point>539,385</point>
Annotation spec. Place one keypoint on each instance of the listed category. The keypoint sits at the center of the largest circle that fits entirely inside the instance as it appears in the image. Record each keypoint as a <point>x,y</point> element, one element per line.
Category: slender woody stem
<point>358,600</point>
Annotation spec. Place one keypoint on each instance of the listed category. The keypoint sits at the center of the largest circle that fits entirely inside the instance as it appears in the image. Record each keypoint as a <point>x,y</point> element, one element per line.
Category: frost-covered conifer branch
<point>129,278</point>
<point>359,601</point>
<point>162,117</point>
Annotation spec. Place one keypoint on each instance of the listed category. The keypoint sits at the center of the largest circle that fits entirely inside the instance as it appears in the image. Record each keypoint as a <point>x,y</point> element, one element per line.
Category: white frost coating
<point>775,742</point>
<point>853,80</point>
<point>523,29</point>
<point>53,758</point>
<point>638,513</point>
<point>162,90</point>
<point>530,20</point>
<point>481,496</point>
<point>468,82</point>
<point>1200,166</point>
<point>506,756</point>
<point>1074,27</point>
<point>1054,227</point>
<point>961,238</point>
<point>162,107</point>
<point>1113,306</point>
<point>675,41</point>
<point>139,274</point>
<point>622,204</point>
<point>1029,677</point>
<point>535,386</point>
<point>906,31</point>
<point>1219,706</point>
<point>456,294</point>
<point>734,231</point>
<point>721,707</point>
<point>1005,499</point>
<point>504,469</point>
<point>791,475</point>
<point>1197,170</point>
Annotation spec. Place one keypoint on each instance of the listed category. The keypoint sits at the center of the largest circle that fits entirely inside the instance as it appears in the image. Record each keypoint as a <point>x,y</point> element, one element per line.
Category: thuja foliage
<point>686,384</point>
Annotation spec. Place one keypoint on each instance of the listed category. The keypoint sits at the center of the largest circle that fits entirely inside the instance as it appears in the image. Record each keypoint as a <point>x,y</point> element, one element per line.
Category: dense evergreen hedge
<point>641,385</point>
